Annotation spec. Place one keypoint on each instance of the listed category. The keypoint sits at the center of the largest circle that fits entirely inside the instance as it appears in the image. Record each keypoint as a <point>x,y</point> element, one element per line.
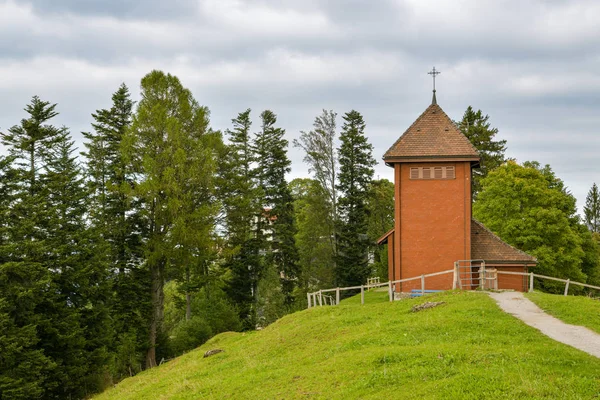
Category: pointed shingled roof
<point>433,135</point>
<point>489,247</point>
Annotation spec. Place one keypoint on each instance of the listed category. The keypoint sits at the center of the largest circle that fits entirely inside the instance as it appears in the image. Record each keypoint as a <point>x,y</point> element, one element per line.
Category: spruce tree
<point>272,165</point>
<point>475,126</point>
<point>591,210</point>
<point>48,240</point>
<point>356,172</point>
<point>115,218</point>
<point>238,193</point>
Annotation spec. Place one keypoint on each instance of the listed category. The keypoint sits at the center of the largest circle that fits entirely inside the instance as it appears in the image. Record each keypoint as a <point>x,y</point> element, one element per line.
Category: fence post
<point>362,294</point>
<point>531,282</point>
<point>390,292</point>
<point>567,287</point>
<point>320,298</point>
<point>308,298</point>
<point>337,296</point>
<point>422,285</point>
<point>454,276</point>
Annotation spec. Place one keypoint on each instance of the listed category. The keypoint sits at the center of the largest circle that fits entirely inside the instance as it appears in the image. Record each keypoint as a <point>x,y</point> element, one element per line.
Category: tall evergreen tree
<point>115,218</point>
<point>356,172</point>
<point>475,126</point>
<point>591,210</point>
<point>238,192</point>
<point>48,240</point>
<point>272,165</point>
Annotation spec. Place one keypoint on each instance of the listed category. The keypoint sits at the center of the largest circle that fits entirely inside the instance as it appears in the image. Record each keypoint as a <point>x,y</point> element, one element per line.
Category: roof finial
<point>433,73</point>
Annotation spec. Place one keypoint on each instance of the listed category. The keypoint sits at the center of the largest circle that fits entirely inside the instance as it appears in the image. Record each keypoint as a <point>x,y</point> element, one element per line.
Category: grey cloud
<point>535,74</point>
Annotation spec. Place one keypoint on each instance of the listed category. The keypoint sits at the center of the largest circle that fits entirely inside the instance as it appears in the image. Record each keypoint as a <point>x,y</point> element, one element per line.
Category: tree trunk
<point>158,299</point>
<point>188,296</point>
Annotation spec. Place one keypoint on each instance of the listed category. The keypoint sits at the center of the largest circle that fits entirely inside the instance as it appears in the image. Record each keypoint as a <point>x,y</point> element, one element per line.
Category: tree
<point>356,172</point>
<point>115,218</point>
<point>238,193</point>
<point>380,204</point>
<point>48,242</point>
<point>169,149</point>
<point>591,210</point>
<point>530,208</point>
<point>313,238</point>
<point>321,156</point>
<point>475,126</point>
<point>272,165</point>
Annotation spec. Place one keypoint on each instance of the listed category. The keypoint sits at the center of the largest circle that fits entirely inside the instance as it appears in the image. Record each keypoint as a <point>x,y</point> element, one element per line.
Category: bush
<point>190,334</point>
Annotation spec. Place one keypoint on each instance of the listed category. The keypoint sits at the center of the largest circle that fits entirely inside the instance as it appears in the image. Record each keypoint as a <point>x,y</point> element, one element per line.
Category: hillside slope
<point>464,349</point>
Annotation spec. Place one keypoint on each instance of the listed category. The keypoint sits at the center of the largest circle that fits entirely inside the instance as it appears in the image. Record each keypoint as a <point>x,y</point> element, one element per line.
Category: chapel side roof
<point>485,245</point>
<point>383,239</point>
<point>432,135</point>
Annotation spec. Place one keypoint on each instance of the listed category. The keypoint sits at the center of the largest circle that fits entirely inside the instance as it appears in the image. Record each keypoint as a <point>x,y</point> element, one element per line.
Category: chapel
<point>434,229</point>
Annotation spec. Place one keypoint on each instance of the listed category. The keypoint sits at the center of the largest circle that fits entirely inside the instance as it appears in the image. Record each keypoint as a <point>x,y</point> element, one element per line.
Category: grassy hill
<point>465,349</point>
<point>576,310</point>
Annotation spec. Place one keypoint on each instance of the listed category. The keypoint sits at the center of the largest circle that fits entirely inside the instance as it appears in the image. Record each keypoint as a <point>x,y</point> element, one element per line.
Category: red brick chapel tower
<point>433,229</point>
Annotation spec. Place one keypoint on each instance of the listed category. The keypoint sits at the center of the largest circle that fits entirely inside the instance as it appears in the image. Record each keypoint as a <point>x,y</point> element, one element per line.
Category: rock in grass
<point>424,306</point>
<point>212,352</point>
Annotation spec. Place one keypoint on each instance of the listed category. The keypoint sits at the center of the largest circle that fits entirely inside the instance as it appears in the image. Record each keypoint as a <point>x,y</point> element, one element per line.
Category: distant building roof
<point>485,245</point>
<point>433,135</point>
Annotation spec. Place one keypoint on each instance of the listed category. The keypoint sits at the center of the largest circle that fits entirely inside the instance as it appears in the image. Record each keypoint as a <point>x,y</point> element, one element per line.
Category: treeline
<point>166,232</point>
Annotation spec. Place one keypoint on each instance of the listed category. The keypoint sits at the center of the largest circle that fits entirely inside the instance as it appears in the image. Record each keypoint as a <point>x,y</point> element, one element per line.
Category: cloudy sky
<point>533,66</point>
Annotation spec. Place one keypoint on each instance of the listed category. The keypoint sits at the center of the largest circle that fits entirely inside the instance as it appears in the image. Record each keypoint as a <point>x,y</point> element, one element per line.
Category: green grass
<point>575,310</point>
<point>464,349</point>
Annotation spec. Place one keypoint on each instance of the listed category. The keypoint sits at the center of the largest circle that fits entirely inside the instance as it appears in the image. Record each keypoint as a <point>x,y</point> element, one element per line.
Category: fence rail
<point>319,298</point>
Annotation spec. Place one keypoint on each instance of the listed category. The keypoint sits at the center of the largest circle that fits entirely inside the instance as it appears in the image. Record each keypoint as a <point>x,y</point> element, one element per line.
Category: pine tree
<point>48,240</point>
<point>475,126</point>
<point>238,194</point>
<point>356,172</point>
<point>115,217</point>
<point>591,210</point>
<point>272,165</point>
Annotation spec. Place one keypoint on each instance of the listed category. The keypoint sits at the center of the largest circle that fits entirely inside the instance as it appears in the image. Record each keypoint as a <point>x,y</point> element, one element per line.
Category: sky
<point>532,66</point>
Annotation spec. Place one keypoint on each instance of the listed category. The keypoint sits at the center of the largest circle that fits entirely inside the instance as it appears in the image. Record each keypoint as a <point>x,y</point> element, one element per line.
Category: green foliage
<point>190,334</point>
<point>63,315</point>
<point>356,172</point>
<point>475,126</point>
<point>530,208</point>
<point>466,349</point>
<point>238,191</point>
<point>273,164</point>
<point>380,204</point>
<point>23,366</point>
<point>591,210</point>
<point>172,151</point>
<point>315,235</point>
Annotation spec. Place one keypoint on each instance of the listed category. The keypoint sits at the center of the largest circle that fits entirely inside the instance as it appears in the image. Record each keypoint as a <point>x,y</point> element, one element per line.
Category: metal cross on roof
<point>433,73</point>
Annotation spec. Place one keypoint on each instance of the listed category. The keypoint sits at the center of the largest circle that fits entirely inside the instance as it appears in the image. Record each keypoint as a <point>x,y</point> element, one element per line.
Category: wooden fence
<point>321,297</point>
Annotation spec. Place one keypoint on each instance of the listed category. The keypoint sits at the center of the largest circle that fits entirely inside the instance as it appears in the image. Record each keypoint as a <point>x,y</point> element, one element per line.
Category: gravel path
<point>577,336</point>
